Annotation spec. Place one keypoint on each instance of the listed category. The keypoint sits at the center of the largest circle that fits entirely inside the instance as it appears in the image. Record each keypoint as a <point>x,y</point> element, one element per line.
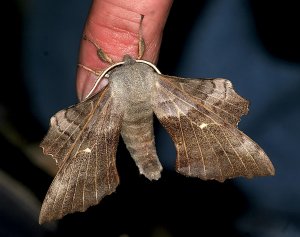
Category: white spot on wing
<point>87,150</point>
<point>203,125</point>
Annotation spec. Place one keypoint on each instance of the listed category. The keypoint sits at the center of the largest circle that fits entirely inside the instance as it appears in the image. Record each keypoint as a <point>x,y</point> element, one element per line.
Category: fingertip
<point>114,26</point>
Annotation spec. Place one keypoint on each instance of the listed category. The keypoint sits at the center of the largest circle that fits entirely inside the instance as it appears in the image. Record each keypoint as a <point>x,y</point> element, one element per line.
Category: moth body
<point>132,85</point>
<point>201,116</point>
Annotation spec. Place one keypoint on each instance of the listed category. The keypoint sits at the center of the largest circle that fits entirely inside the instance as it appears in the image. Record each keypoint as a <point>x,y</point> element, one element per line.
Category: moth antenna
<point>141,46</point>
<point>100,53</point>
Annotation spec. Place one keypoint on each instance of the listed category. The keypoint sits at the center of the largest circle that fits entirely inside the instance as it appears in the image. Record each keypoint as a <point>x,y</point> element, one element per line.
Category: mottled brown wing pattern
<point>216,94</point>
<point>201,116</point>
<point>83,139</point>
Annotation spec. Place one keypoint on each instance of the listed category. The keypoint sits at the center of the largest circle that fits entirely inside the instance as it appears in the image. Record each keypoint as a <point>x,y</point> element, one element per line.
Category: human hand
<point>114,26</point>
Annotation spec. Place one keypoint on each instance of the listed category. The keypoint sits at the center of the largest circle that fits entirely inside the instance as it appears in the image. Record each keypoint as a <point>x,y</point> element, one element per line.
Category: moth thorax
<point>133,82</point>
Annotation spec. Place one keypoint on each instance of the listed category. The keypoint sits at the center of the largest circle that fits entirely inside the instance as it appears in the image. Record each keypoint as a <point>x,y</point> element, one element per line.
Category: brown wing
<point>83,140</point>
<point>201,116</point>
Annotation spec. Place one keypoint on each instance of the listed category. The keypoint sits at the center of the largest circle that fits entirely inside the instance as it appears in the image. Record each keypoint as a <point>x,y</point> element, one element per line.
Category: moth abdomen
<point>138,135</point>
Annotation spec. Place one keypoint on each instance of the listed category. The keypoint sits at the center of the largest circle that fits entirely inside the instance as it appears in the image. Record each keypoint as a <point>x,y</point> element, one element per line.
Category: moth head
<point>128,60</point>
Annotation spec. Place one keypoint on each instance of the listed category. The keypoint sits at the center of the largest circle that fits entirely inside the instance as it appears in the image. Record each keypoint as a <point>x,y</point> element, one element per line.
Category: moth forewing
<point>201,115</point>
<point>84,141</point>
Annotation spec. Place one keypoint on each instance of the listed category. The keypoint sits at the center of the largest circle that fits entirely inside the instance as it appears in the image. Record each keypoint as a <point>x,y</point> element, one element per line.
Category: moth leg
<point>141,46</point>
<point>100,53</point>
<point>97,73</point>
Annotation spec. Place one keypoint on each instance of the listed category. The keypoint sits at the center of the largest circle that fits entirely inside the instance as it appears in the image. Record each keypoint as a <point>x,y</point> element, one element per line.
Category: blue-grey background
<point>254,44</point>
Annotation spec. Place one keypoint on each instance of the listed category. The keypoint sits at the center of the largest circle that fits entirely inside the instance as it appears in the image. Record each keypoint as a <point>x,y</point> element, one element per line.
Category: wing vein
<point>220,108</point>
<point>85,179</point>
<point>75,188</point>
<point>95,174</point>
<point>63,202</point>
<point>235,151</point>
<point>200,150</point>
<point>56,194</point>
<point>218,141</point>
<point>184,142</point>
<point>254,161</point>
<point>191,105</point>
<point>213,150</point>
<point>211,95</point>
<point>64,132</point>
<point>196,102</point>
<point>86,124</point>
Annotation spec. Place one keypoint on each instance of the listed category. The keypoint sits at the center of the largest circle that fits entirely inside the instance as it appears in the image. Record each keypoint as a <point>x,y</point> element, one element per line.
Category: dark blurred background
<point>255,44</point>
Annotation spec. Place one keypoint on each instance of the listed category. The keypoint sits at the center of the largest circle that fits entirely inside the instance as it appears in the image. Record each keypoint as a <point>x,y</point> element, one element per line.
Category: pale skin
<point>114,26</point>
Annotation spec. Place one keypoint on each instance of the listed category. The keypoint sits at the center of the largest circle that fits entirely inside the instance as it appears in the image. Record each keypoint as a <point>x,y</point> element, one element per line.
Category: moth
<point>201,116</point>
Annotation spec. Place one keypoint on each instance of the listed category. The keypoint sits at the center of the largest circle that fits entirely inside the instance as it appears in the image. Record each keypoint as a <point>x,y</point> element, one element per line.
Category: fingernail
<point>86,81</point>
